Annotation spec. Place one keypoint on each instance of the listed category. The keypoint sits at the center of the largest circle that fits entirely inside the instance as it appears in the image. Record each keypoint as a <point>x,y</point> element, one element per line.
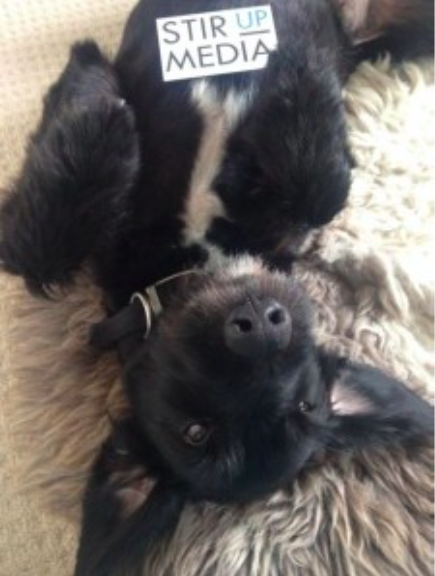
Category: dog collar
<point>137,319</point>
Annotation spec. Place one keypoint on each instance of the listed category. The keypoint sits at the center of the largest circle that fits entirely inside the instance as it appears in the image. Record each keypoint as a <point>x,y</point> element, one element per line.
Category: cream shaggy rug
<point>370,276</point>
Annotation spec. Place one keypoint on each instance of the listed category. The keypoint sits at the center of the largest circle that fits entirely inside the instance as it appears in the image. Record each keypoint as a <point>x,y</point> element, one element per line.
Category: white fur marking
<point>244,266</point>
<point>220,118</point>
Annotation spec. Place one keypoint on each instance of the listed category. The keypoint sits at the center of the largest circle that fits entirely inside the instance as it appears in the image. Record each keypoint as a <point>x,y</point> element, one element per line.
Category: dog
<point>188,202</point>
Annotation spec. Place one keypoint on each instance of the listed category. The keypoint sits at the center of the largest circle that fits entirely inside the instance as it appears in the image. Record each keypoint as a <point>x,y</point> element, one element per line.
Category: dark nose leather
<point>258,327</point>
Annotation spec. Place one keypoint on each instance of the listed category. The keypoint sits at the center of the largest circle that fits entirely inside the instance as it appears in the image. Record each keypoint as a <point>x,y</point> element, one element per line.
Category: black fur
<point>292,145</point>
<point>105,186</point>
<point>73,196</point>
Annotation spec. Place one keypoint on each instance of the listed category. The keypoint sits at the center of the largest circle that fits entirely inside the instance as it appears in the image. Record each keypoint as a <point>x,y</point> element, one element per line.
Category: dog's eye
<point>196,434</point>
<point>304,407</point>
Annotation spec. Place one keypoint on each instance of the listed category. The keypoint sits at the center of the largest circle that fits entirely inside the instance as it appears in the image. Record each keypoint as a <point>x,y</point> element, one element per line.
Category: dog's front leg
<point>72,196</point>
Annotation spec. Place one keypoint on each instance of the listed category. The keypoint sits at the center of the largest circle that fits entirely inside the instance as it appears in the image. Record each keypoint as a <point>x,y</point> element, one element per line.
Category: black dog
<point>211,186</point>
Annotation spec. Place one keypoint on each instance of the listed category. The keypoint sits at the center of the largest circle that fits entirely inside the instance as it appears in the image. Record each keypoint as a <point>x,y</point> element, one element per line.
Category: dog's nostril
<point>243,325</point>
<point>277,316</point>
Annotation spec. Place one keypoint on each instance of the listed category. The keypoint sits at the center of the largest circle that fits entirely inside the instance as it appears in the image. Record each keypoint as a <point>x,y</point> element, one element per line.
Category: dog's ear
<point>123,551</point>
<point>403,27</point>
<point>371,408</point>
<point>72,195</point>
<point>122,523</point>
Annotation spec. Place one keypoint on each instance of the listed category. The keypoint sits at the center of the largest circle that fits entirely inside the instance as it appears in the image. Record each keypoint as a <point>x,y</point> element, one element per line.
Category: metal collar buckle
<point>151,302</point>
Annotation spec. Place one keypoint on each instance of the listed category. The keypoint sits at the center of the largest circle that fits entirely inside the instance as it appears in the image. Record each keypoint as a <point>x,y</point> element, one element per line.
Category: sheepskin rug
<point>370,276</point>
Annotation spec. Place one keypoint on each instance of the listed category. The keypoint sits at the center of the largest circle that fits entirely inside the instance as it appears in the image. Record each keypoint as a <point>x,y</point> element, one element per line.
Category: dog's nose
<point>258,327</point>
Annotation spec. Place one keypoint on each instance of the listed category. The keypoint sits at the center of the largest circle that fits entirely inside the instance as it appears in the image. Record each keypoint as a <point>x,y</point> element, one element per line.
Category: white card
<point>215,43</point>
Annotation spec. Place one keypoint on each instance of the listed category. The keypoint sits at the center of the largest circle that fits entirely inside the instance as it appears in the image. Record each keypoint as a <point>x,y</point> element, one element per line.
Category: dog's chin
<point>248,490</point>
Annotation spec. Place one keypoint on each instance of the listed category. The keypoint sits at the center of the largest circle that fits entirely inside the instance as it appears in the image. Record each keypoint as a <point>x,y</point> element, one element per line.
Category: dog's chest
<point>221,115</point>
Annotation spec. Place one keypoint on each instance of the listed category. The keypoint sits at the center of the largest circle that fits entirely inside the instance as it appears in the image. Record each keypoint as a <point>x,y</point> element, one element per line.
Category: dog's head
<point>227,387</point>
<point>234,396</point>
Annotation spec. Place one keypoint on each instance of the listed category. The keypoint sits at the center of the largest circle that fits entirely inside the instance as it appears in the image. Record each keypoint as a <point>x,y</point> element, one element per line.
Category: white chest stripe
<point>220,117</point>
